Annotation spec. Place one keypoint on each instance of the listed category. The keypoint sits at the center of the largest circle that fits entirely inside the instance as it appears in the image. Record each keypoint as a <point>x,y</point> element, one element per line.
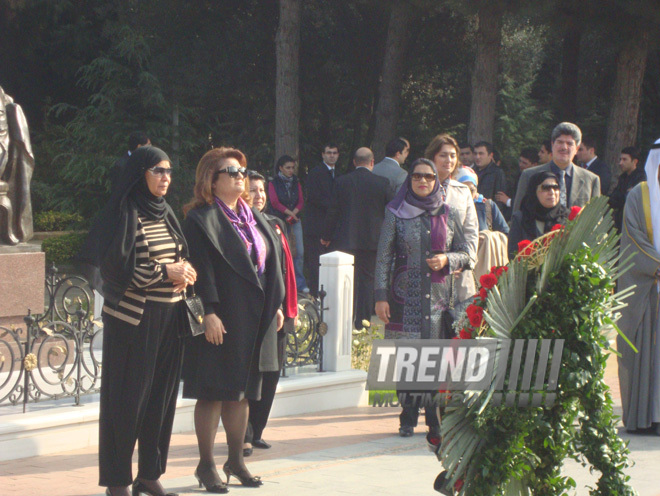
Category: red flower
<point>483,293</point>
<point>475,315</point>
<point>464,334</point>
<point>500,271</point>
<point>575,211</point>
<point>557,227</point>
<point>458,485</point>
<point>523,247</point>
<point>488,281</point>
<point>493,269</point>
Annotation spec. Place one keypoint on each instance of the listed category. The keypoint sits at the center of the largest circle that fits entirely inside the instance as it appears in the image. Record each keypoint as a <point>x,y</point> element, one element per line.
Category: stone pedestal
<point>336,277</point>
<point>22,281</point>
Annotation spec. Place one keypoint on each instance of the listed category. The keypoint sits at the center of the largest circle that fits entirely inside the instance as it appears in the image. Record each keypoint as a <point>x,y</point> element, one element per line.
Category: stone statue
<point>16,167</point>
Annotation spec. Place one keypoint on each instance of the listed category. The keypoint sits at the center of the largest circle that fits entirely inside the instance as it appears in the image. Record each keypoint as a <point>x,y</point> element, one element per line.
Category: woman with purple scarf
<point>421,245</point>
<point>237,257</point>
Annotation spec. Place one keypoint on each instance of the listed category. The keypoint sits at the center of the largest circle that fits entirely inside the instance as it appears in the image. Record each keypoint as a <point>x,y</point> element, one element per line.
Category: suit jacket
<point>602,170</point>
<point>586,185</point>
<point>318,192</point>
<point>393,172</point>
<point>491,180</point>
<point>357,211</point>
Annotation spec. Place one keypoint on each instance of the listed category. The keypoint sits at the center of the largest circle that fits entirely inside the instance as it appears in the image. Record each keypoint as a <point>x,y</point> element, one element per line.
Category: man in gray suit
<point>390,168</point>
<point>578,185</point>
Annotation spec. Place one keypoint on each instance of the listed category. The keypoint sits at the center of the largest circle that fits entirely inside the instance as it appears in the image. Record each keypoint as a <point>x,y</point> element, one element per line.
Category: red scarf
<point>291,298</point>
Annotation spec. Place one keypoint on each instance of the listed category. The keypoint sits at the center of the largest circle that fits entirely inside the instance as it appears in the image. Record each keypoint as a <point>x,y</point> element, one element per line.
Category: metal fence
<point>58,353</point>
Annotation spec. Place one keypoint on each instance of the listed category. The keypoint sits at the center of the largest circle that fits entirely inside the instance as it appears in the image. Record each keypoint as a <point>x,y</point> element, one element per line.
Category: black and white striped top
<point>154,247</point>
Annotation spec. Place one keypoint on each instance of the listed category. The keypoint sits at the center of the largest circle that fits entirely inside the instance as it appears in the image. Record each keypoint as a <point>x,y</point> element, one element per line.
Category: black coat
<point>229,286</point>
<point>602,170</point>
<point>491,180</point>
<point>357,211</point>
<point>620,193</point>
<point>319,188</point>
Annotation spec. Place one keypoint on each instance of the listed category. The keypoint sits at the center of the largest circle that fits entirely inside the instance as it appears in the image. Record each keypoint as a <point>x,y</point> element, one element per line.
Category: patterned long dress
<point>418,297</point>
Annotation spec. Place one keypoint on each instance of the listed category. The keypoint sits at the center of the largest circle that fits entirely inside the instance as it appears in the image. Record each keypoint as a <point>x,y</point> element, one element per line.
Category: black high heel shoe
<point>140,487</point>
<point>254,481</point>
<point>211,480</point>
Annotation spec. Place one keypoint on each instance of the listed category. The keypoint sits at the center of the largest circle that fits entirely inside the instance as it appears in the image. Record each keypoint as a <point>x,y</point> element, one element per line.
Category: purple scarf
<point>407,205</point>
<point>246,227</point>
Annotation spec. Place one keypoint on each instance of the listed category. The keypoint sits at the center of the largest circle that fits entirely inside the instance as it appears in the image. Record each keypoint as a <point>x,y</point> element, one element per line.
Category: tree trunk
<point>484,75</point>
<point>569,74</point>
<point>287,97</point>
<point>626,97</point>
<point>389,94</point>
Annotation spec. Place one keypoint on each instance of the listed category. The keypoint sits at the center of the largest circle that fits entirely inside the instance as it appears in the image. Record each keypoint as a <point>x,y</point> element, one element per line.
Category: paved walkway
<point>349,451</point>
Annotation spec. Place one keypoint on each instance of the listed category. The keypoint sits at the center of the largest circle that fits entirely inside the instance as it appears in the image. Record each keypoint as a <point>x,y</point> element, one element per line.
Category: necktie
<point>562,187</point>
<point>332,173</point>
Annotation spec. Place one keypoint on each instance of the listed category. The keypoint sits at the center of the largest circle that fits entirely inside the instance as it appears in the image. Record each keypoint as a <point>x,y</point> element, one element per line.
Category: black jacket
<point>491,180</point>
<point>229,286</point>
<point>318,197</point>
<point>602,170</point>
<point>357,211</point>
<point>620,193</point>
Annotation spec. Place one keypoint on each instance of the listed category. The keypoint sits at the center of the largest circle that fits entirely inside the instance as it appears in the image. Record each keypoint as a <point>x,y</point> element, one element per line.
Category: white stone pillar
<point>336,277</point>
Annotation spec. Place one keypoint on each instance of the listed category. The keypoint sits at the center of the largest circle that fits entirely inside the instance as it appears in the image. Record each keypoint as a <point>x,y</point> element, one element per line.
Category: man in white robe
<point>639,373</point>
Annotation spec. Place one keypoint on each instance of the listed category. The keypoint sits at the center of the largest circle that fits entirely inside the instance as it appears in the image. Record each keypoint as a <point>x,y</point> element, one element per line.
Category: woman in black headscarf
<point>539,211</point>
<point>138,245</point>
<point>422,243</point>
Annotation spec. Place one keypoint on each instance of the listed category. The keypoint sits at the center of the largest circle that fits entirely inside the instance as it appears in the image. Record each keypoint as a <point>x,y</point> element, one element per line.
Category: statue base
<point>22,282</point>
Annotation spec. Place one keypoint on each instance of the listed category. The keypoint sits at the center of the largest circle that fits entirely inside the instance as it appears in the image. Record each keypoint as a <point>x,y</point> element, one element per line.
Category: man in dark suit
<point>491,177</point>
<point>631,176</point>
<point>391,167</point>
<point>318,193</point>
<point>587,157</point>
<point>578,185</point>
<point>353,225</point>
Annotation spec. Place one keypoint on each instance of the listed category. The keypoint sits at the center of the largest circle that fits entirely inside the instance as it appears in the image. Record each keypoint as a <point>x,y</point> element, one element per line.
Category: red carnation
<point>458,485</point>
<point>500,271</point>
<point>493,269</point>
<point>465,334</point>
<point>575,211</point>
<point>557,227</point>
<point>523,247</point>
<point>475,315</point>
<point>483,293</point>
<point>488,281</point>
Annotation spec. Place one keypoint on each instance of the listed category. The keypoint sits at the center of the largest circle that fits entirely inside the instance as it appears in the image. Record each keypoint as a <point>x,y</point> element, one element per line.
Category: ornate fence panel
<point>304,344</point>
<point>58,354</point>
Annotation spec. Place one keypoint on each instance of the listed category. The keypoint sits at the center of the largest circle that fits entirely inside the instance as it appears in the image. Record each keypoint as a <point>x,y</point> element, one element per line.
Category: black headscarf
<point>110,246</point>
<point>406,195</point>
<point>533,211</point>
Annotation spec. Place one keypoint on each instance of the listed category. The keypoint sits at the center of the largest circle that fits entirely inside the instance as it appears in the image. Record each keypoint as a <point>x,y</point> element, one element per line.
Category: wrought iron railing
<point>305,344</point>
<point>58,353</point>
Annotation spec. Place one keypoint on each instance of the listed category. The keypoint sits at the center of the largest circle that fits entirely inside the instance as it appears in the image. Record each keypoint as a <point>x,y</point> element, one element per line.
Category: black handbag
<point>194,310</point>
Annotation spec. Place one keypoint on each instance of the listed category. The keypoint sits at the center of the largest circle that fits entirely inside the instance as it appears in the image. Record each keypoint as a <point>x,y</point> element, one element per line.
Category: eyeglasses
<point>418,176</point>
<point>233,171</point>
<point>550,187</point>
<point>161,171</point>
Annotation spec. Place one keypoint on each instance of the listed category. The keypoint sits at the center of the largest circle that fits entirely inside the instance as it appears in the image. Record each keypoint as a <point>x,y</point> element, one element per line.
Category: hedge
<point>62,249</point>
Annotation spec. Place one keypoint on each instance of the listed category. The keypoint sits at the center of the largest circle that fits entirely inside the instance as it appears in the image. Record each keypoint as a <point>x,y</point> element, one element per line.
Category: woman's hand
<point>383,311</point>
<point>181,272</point>
<point>215,329</point>
<point>280,319</point>
<point>437,262</point>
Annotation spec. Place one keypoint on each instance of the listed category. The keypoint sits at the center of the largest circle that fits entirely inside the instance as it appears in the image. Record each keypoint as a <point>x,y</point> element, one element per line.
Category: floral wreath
<point>559,286</point>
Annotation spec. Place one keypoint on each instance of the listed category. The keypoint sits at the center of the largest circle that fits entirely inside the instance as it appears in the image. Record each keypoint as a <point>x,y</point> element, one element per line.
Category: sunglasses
<point>418,176</point>
<point>161,171</point>
<point>233,171</point>
<point>550,187</point>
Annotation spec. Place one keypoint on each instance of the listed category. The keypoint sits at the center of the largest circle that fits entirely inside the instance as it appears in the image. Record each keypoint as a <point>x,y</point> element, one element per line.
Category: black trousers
<point>140,382</point>
<point>410,411</point>
<point>260,409</point>
<point>363,289</point>
<point>313,251</point>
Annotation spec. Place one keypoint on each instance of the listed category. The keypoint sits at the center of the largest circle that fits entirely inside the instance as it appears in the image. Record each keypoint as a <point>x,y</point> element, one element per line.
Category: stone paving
<point>348,451</point>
